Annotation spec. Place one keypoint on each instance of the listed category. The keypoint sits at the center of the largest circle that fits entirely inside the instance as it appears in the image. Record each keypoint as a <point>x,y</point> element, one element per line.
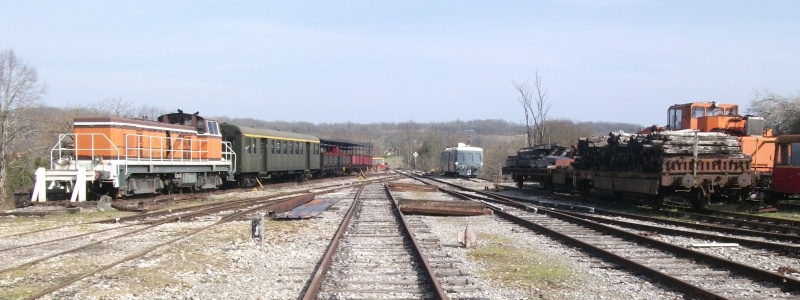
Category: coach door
<point>306,150</point>
<point>264,149</point>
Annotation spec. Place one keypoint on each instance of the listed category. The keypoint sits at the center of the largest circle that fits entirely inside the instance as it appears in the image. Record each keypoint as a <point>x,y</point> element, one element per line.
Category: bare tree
<point>525,99</point>
<point>536,107</point>
<point>20,92</point>
<point>781,113</point>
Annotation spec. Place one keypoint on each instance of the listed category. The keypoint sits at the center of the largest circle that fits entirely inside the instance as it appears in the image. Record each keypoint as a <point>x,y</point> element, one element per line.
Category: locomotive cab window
<point>698,111</point>
<point>213,128</point>
<point>674,116</point>
<point>201,127</point>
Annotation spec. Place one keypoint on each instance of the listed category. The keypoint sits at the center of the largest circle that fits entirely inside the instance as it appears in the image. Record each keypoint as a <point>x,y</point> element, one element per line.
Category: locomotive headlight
<point>456,163</point>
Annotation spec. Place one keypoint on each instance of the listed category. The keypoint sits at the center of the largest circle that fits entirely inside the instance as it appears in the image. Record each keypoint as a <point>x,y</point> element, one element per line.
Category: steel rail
<point>709,227</point>
<point>785,282</point>
<point>429,271</point>
<point>743,241</point>
<point>158,213</point>
<point>149,226</point>
<point>666,279</point>
<point>146,251</point>
<point>314,287</point>
<point>327,259</point>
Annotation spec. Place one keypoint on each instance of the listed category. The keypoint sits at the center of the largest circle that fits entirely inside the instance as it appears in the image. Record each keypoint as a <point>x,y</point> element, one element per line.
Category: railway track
<point>110,246</point>
<point>773,229</point>
<point>686,270</point>
<point>374,255</point>
<point>690,271</point>
<point>140,243</point>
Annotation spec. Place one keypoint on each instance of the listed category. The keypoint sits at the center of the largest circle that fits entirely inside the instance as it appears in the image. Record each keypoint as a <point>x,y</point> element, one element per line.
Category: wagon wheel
<point>701,199</point>
<point>584,189</point>
<point>770,198</point>
<point>656,201</point>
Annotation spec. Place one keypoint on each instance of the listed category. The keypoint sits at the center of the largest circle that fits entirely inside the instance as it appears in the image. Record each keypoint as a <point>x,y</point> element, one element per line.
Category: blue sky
<point>395,61</point>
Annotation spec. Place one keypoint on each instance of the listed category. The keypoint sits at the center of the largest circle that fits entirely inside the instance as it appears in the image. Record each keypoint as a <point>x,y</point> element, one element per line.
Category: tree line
<point>29,128</point>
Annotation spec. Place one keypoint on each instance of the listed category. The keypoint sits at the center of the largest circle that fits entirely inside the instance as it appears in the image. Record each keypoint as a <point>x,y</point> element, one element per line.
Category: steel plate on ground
<point>309,210</point>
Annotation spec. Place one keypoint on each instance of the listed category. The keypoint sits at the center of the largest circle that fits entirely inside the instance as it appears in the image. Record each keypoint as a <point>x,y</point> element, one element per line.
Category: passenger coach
<point>786,173</point>
<point>265,153</point>
<point>462,160</point>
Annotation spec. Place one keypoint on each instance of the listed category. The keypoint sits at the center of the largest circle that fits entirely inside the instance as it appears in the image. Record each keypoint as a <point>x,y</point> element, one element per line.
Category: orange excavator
<point>755,140</point>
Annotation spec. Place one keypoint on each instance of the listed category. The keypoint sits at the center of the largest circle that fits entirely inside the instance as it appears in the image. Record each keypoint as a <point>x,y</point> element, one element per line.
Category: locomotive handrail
<point>62,153</point>
<point>229,155</point>
<point>162,148</point>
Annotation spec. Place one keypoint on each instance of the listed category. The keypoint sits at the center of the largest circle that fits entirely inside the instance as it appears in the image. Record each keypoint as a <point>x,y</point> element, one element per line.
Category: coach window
<point>795,154</point>
<point>253,145</point>
<point>285,147</point>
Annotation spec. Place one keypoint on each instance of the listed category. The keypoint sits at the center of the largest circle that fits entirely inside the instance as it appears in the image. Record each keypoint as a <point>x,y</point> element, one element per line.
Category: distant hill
<point>603,128</point>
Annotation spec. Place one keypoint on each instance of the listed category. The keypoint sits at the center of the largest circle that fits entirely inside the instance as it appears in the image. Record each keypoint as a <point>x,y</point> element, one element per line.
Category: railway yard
<point>523,244</point>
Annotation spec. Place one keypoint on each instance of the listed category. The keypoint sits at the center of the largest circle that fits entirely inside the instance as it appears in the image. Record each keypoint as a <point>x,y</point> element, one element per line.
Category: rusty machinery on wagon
<point>707,152</point>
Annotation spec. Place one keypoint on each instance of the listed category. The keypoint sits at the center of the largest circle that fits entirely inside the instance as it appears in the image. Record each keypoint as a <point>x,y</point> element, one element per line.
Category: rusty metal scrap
<point>443,208</point>
<point>407,187</point>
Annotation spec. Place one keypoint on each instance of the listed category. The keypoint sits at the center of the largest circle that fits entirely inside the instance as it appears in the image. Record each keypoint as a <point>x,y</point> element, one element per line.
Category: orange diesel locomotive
<point>125,157</point>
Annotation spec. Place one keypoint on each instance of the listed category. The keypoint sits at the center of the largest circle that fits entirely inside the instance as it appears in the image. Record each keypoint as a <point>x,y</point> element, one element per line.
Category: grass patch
<point>794,216</point>
<point>21,283</point>
<point>518,267</point>
<point>783,213</point>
